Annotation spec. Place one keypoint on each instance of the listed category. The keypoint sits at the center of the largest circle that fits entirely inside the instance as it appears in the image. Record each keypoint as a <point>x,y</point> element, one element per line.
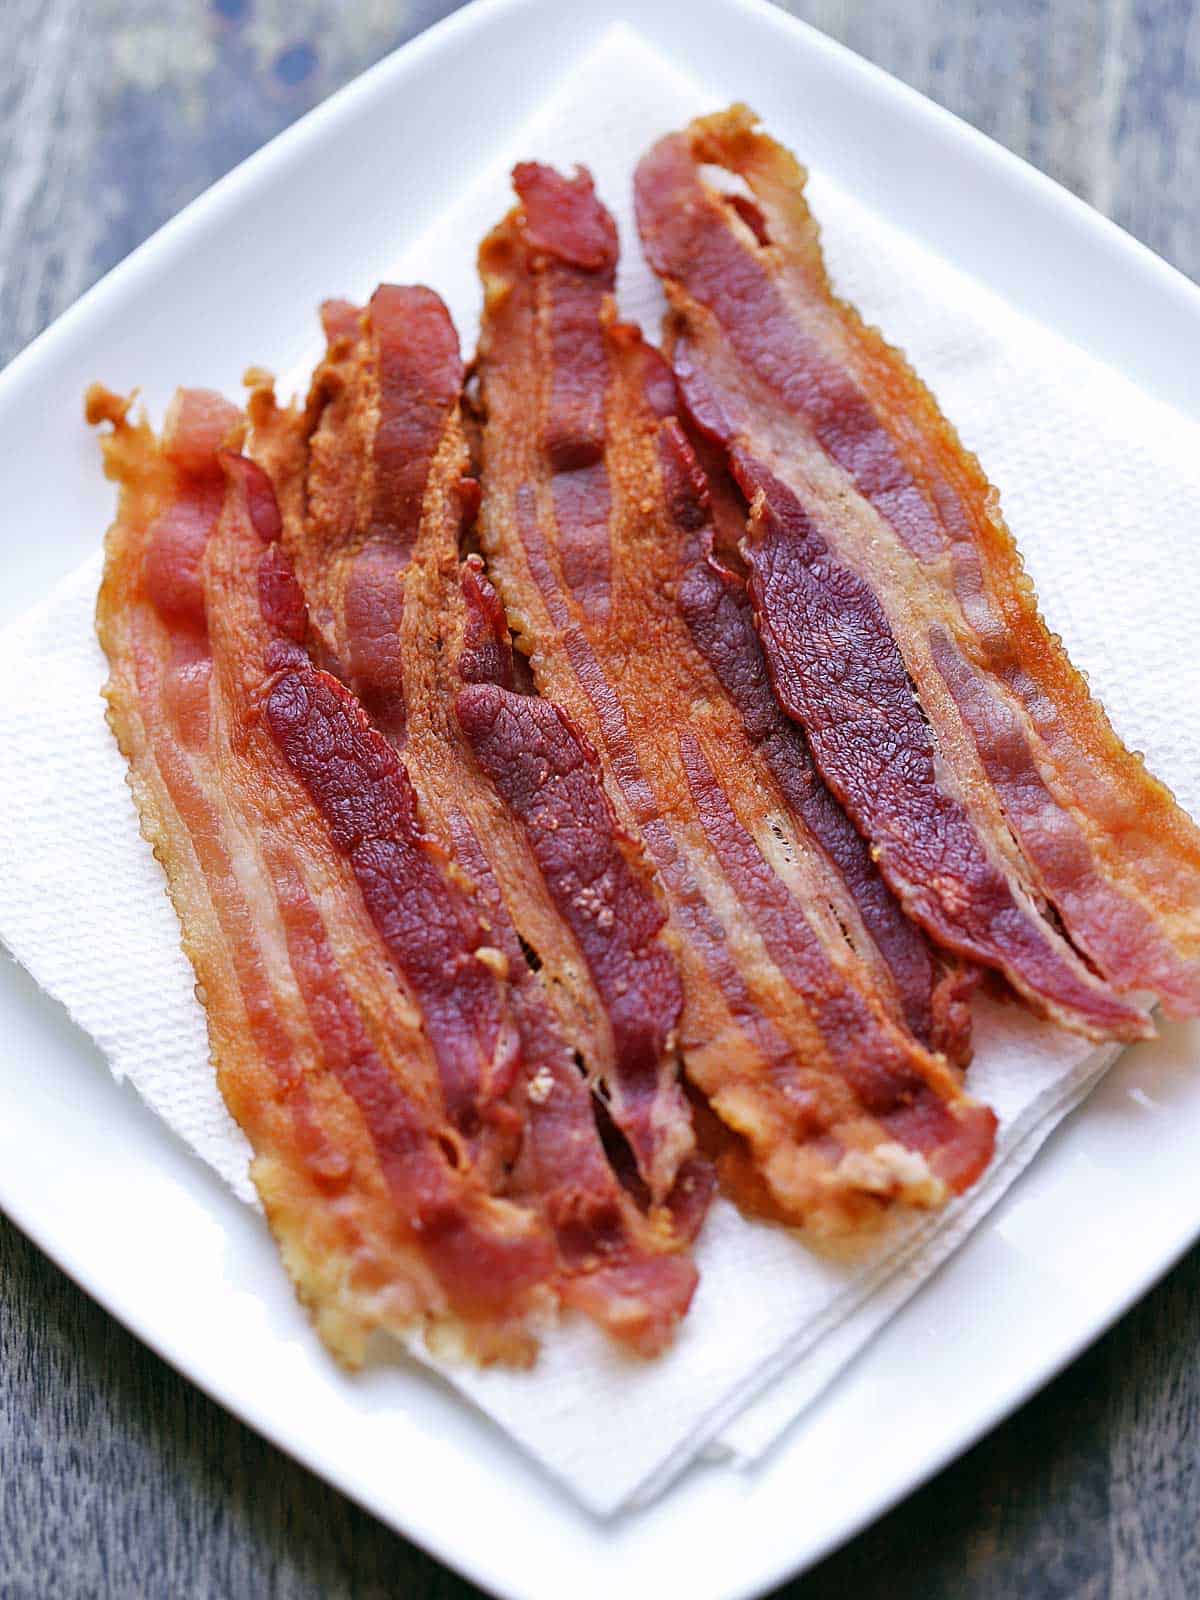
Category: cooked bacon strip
<point>288,883</point>
<point>714,600</point>
<point>791,1023</point>
<point>432,935</point>
<point>548,776</point>
<point>837,670</point>
<point>347,402</point>
<point>616,919</point>
<point>578,370</point>
<point>879,563</point>
<point>383,413</point>
<point>716,605</point>
<point>623,1267</point>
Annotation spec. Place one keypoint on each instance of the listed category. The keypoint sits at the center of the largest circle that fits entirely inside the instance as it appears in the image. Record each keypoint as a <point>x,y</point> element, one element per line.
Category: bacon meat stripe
<point>363,1030</point>
<point>900,628</point>
<point>409,628</point>
<point>716,604</point>
<point>595,522</point>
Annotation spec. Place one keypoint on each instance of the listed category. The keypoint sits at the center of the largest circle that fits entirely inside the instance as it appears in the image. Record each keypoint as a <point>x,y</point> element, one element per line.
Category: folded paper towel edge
<point>927,1251</point>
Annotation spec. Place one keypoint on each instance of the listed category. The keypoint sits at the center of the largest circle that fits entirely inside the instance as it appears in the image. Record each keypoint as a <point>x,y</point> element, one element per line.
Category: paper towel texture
<point>1097,481</point>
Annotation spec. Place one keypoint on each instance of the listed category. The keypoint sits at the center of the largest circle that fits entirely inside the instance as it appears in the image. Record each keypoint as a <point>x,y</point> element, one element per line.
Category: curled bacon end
<point>564,219</point>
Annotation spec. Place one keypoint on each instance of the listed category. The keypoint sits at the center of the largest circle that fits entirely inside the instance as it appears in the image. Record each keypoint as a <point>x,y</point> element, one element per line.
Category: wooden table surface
<point>117,1478</point>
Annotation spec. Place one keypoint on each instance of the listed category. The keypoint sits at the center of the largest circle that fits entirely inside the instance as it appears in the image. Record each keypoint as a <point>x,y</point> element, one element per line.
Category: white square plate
<point>109,1193</point>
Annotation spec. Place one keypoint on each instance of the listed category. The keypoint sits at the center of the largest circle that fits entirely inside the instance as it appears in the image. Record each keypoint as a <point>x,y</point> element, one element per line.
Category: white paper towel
<point>1099,483</point>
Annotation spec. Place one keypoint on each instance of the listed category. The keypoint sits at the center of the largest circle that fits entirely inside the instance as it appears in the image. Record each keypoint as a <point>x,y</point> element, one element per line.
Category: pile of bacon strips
<point>595,776</point>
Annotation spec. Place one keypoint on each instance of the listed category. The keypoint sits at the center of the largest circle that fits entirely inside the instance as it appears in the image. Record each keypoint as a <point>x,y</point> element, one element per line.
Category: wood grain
<point>117,1478</point>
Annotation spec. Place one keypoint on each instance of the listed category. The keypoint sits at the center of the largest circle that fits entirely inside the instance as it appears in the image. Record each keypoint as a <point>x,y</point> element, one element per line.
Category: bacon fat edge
<point>899,625</point>
<point>596,526</point>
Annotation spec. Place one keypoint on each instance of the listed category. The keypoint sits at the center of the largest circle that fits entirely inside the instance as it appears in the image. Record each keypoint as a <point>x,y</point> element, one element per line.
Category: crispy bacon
<point>900,628</point>
<point>793,1020</point>
<point>293,889</point>
<point>715,600</point>
<point>716,605</point>
<point>605,985</point>
<point>547,775</point>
